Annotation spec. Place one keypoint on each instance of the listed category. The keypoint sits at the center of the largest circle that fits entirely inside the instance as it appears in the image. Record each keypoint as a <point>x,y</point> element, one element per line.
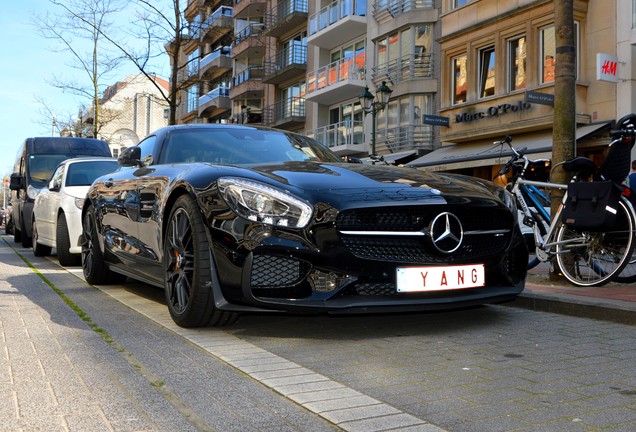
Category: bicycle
<point>585,257</point>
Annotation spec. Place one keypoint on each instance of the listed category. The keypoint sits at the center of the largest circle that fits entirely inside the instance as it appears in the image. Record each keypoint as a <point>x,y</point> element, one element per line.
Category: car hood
<point>76,191</point>
<point>372,182</point>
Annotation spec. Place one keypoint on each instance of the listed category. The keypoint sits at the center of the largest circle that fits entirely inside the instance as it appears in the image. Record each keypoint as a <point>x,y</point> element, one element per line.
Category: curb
<point>616,311</point>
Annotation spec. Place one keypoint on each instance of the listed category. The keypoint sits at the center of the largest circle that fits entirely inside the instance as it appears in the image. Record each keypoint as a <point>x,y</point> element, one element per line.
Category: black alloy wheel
<point>94,268</point>
<point>188,269</point>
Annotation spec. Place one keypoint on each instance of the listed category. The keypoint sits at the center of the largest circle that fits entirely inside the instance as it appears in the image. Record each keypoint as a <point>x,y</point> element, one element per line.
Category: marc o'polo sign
<point>492,111</point>
<point>540,98</point>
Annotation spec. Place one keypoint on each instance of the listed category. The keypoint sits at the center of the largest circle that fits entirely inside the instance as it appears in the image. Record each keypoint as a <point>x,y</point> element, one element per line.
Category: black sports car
<point>230,218</point>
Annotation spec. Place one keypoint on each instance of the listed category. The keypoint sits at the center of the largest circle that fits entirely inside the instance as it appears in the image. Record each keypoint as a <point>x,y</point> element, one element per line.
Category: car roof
<point>86,159</point>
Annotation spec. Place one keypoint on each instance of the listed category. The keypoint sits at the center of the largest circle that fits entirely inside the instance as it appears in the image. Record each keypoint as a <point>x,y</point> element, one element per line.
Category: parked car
<point>36,160</point>
<point>232,218</point>
<point>57,212</point>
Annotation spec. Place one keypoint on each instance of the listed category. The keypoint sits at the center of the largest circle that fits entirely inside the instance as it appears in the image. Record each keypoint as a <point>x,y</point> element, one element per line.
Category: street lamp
<point>373,105</point>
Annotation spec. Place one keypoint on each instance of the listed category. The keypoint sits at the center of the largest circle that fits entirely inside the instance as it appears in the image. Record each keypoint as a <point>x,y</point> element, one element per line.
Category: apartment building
<point>497,79</point>
<point>301,65</point>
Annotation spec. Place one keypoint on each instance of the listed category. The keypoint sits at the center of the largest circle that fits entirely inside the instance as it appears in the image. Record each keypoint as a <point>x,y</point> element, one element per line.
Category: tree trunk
<point>564,132</point>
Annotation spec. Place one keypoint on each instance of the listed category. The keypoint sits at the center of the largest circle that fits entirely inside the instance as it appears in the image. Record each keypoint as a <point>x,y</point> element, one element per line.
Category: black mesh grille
<point>270,271</point>
<point>375,289</point>
<point>417,249</point>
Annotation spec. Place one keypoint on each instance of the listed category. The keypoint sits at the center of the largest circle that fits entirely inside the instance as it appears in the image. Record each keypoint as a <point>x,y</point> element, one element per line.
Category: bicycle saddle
<point>583,166</point>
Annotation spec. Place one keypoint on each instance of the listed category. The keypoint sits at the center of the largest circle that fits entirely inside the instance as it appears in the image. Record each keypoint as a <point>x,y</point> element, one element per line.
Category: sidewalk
<point>614,302</point>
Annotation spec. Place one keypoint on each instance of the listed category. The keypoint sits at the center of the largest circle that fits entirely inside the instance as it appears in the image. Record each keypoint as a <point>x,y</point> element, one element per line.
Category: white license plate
<point>415,279</point>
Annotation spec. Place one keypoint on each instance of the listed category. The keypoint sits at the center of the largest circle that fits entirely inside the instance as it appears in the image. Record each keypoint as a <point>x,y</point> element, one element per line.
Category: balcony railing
<point>405,68</point>
<point>253,29</point>
<point>283,12</point>
<point>213,94</point>
<point>339,134</point>
<point>209,58</point>
<point>386,9</point>
<point>292,55</point>
<point>251,73</point>
<point>402,138</point>
<point>222,17</point>
<point>335,12</point>
<point>350,68</point>
<point>286,109</point>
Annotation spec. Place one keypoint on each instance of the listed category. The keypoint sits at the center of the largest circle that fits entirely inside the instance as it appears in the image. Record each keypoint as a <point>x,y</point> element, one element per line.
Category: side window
<point>56,178</point>
<point>147,147</point>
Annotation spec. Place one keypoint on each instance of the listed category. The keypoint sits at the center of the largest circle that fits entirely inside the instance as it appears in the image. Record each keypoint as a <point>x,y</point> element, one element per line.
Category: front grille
<point>270,271</point>
<point>375,289</point>
<point>417,249</point>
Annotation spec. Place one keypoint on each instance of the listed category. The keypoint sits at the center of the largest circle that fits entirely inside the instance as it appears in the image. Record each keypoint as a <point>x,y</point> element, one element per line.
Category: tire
<point>63,244</point>
<point>599,256</point>
<point>95,270</point>
<point>39,249</point>
<point>17,235</point>
<point>25,240</point>
<point>188,269</point>
<point>533,261</point>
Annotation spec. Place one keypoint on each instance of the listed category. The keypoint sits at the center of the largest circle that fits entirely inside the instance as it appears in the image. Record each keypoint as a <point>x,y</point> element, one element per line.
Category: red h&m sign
<point>606,67</point>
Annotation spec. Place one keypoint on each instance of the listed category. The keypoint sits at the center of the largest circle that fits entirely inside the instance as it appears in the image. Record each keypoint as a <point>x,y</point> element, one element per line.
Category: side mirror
<point>351,159</point>
<point>54,186</point>
<point>16,182</point>
<point>130,156</point>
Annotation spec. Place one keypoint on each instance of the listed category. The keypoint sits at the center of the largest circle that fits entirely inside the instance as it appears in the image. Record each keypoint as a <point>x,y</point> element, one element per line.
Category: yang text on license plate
<point>414,279</point>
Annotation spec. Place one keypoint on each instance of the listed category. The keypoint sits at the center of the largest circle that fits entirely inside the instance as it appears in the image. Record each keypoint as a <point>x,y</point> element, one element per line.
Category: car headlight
<point>32,192</point>
<point>262,203</point>
<point>79,203</point>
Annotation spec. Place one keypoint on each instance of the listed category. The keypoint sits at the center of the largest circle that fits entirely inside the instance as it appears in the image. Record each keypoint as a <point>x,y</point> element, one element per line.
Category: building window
<point>458,65</point>
<point>487,72</point>
<point>547,48</point>
<point>517,63</point>
<point>458,3</point>
<point>192,99</point>
<point>193,63</point>
<point>548,51</point>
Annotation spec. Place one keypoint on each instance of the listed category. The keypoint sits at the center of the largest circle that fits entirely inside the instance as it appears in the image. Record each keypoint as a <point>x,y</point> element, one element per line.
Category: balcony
<point>249,42</point>
<point>344,138</point>
<point>287,15</point>
<point>215,102</point>
<point>286,113</point>
<point>285,65</point>
<point>342,20</point>
<point>406,68</point>
<point>340,80</point>
<point>218,24</point>
<point>244,9</point>
<point>215,63</point>
<point>385,10</point>
<point>403,138</point>
<point>248,83</point>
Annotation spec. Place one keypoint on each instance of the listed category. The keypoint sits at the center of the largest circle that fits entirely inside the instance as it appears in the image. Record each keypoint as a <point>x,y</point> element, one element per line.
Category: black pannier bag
<point>591,206</point>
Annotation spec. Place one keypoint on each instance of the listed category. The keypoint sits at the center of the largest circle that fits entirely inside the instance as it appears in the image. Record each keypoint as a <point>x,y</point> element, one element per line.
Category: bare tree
<point>79,29</point>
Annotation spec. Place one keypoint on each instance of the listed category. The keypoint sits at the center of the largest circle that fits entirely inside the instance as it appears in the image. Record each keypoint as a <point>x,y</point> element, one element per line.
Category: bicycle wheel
<point>628,274</point>
<point>594,258</point>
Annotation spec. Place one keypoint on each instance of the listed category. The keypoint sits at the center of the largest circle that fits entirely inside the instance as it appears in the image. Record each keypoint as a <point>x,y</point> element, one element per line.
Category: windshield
<point>41,166</point>
<point>238,146</point>
<point>85,173</point>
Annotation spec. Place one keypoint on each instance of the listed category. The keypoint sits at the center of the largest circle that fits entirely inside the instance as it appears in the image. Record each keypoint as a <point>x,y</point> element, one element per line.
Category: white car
<point>57,212</point>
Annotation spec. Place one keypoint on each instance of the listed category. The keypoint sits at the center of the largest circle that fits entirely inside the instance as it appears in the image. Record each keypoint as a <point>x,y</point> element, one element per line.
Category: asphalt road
<point>493,368</point>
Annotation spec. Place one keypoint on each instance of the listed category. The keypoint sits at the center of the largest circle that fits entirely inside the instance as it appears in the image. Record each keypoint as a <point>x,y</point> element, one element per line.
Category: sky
<point>28,61</point>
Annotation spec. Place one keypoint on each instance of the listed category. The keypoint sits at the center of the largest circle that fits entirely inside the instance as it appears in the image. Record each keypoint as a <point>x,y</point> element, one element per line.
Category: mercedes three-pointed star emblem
<point>446,232</point>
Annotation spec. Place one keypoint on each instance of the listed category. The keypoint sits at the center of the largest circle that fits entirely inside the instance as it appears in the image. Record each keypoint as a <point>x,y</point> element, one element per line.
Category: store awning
<point>396,158</point>
<point>458,156</point>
